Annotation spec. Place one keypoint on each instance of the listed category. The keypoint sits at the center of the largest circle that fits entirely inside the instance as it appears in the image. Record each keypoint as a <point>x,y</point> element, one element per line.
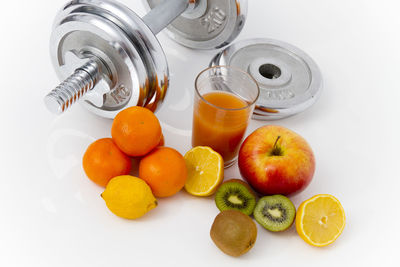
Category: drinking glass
<point>224,102</point>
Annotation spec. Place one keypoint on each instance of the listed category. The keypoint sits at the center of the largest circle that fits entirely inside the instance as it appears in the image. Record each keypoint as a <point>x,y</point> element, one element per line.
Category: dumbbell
<point>110,59</point>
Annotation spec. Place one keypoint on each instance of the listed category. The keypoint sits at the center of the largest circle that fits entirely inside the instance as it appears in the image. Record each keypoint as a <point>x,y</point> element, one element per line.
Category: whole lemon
<point>129,197</point>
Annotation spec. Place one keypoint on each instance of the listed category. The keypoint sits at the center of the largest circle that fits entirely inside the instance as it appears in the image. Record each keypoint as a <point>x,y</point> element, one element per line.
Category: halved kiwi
<point>235,194</point>
<point>275,213</point>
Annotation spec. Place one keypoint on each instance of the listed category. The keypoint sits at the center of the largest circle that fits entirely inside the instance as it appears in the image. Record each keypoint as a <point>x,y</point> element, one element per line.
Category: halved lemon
<point>320,220</point>
<point>205,171</point>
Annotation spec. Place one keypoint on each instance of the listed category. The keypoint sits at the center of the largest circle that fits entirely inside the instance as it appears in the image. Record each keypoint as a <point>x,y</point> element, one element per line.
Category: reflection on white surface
<point>78,196</point>
<point>177,131</point>
<point>176,113</point>
<point>177,54</point>
<point>184,102</point>
<point>49,205</point>
<point>60,159</point>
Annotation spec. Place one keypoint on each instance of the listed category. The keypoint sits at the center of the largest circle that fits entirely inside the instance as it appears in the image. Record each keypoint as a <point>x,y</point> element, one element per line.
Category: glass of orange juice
<point>223,105</point>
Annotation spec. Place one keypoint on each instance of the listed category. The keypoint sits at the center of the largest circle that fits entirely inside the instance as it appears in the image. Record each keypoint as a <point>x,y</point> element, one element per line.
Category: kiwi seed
<point>275,213</point>
<point>235,194</point>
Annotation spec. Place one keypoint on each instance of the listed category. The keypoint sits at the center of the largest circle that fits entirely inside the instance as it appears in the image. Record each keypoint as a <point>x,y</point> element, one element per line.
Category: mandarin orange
<point>164,170</point>
<point>136,131</point>
<point>103,160</point>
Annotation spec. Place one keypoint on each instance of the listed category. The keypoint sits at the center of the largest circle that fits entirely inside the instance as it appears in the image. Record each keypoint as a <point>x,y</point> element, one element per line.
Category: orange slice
<point>320,220</point>
<point>205,171</point>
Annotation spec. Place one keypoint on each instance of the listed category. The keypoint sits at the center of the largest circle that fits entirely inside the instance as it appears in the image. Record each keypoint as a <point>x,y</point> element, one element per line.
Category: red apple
<point>276,160</point>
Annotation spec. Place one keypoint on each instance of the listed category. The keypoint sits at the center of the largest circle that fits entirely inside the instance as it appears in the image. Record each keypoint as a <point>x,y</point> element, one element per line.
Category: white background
<point>52,215</point>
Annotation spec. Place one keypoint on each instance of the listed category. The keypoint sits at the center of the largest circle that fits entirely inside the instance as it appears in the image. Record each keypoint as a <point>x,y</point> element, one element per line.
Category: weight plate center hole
<point>270,71</point>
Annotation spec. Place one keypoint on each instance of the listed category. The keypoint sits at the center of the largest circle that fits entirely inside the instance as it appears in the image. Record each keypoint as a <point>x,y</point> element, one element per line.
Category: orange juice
<point>220,122</point>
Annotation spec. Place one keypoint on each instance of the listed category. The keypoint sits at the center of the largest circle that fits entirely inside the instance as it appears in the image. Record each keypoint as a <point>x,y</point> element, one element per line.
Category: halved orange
<point>205,171</point>
<point>320,220</point>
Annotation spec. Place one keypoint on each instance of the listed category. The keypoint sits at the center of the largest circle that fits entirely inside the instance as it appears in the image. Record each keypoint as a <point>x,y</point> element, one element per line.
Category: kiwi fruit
<point>233,232</point>
<point>235,194</point>
<point>275,213</point>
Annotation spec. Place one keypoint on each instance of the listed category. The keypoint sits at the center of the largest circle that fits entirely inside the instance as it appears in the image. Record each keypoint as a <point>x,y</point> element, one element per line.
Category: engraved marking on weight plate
<point>120,94</point>
<point>279,94</point>
<point>214,20</point>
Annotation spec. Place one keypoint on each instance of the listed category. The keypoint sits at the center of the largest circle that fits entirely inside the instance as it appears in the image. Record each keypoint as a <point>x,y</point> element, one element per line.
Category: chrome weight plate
<point>289,80</point>
<point>207,24</point>
<point>111,32</point>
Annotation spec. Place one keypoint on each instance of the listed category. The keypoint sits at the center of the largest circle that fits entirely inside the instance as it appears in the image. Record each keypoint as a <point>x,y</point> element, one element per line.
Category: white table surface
<point>52,215</point>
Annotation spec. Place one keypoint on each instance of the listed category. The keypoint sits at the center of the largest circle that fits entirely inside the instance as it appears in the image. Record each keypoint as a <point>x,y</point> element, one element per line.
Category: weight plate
<point>210,24</point>
<point>289,80</point>
<point>112,32</point>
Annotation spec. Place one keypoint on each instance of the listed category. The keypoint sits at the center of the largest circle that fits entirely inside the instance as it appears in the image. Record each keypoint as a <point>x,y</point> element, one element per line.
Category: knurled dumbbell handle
<point>165,13</point>
<point>73,88</point>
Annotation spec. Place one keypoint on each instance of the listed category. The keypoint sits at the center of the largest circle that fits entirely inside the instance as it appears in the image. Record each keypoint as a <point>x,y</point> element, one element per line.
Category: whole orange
<point>136,131</point>
<point>103,160</point>
<point>164,170</point>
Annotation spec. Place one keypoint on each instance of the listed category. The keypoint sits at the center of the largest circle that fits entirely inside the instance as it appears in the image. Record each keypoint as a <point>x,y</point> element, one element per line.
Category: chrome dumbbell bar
<point>111,59</point>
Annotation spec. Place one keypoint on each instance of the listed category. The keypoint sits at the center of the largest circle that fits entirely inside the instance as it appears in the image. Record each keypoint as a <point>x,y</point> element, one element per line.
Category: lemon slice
<point>320,220</point>
<point>205,171</point>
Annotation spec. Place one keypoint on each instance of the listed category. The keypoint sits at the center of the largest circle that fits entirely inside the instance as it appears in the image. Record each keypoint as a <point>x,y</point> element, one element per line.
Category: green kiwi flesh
<point>235,195</point>
<point>275,213</point>
<point>233,232</point>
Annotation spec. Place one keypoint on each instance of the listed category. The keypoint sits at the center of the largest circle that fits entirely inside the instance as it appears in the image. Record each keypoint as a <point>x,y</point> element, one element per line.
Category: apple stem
<point>276,142</point>
<point>276,151</point>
